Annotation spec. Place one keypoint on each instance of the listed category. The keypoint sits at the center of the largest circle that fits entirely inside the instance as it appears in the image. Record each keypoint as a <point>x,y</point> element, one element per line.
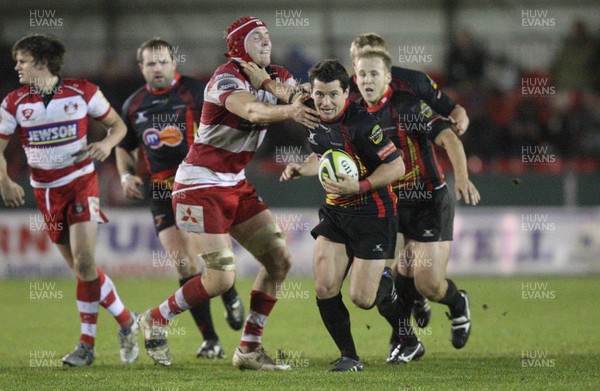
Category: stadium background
<point>525,72</point>
<point>529,255</point>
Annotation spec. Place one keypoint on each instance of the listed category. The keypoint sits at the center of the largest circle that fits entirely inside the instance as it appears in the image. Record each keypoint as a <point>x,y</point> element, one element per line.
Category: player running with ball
<point>425,217</point>
<point>358,221</point>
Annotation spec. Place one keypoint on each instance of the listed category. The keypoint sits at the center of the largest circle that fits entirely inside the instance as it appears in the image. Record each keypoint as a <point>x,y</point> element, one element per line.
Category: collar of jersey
<point>158,92</point>
<point>339,115</point>
<point>384,99</point>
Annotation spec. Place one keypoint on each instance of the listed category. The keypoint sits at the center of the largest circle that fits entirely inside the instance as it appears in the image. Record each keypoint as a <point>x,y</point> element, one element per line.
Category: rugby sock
<point>110,300</point>
<point>190,295</point>
<point>88,297</point>
<point>388,304</point>
<point>406,295</point>
<point>336,318</point>
<point>230,295</point>
<point>261,305</point>
<point>453,300</point>
<point>201,315</point>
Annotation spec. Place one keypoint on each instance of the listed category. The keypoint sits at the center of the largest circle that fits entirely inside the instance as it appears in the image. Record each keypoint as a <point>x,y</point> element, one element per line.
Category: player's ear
<point>388,77</point>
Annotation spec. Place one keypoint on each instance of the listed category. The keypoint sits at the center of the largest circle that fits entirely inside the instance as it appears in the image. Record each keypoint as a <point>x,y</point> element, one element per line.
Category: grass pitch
<point>528,333</point>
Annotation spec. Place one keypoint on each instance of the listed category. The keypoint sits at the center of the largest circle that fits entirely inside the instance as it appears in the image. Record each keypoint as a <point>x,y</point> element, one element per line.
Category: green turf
<point>559,326</point>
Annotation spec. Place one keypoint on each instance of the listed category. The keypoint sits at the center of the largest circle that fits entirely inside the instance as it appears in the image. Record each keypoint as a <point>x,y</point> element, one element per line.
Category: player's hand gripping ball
<point>335,161</point>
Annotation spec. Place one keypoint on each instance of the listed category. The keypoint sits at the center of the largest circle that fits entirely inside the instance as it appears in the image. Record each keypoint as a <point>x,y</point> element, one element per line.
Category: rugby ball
<point>335,161</point>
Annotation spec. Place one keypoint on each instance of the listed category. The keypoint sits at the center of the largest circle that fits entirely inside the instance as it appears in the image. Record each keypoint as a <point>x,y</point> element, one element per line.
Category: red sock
<point>191,294</point>
<point>88,297</point>
<point>110,300</point>
<point>261,305</point>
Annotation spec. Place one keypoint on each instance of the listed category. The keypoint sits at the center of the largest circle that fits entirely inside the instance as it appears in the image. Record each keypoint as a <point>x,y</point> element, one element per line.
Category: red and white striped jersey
<point>225,142</point>
<point>53,135</point>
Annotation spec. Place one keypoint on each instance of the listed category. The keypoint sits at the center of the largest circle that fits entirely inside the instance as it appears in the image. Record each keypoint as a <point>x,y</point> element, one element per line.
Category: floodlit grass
<point>528,333</point>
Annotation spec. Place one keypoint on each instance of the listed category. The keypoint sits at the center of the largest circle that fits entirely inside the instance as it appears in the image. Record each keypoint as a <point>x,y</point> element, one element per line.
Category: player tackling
<point>215,202</point>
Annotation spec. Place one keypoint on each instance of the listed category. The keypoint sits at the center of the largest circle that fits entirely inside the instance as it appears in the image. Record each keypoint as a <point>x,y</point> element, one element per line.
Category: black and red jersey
<point>415,83</point>
<point>359,134</point>
<point>164,122</point>
<point>413,126</point>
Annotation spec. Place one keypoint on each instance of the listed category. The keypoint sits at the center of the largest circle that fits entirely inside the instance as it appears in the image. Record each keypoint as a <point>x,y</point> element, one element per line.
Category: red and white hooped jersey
<point>53,135</point>
<point>225,142</point>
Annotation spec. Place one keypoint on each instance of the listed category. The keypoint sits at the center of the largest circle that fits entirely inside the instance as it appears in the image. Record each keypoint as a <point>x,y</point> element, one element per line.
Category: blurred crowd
<point>557,108</point>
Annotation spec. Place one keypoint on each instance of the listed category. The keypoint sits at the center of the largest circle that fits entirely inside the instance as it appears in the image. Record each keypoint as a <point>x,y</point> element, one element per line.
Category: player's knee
<point>362,299</point>
<point>187,268</point>
<point>326,290</point>
<point>278,263</point>
<point>220,260</point>
<point>84,265</point>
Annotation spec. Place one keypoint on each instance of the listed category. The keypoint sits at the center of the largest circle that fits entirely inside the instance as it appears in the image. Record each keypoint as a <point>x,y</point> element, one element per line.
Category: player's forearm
<point>282,91</point>
<point>116,133</point>
<point>310,167</point>
<point>126,161</point>
<point>258,112</point>
<point>387,173</point>
<point>456,154</point>
<point>3,165</point>
<point>460,115</point>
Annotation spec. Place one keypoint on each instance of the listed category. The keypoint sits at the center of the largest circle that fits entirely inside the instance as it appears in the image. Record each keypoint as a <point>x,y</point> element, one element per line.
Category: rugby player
<point>215,202</point>
<point>163,118</point>
<point>358,220</point>
<point>50,114</point>
<point>425,207</point>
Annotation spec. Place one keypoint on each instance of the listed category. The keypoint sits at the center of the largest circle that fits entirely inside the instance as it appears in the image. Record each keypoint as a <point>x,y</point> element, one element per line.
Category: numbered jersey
<point>225,142</point>
<point>54,135</point>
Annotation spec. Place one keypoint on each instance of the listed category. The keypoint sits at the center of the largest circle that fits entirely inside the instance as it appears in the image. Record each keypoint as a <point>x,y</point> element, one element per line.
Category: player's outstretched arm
<point>309,167</point>
<point>12,193</point>
<point>384,174</point>
<point>126,161</point>
<point>459,120</point>
<point>456,153</point>
<point>245,105</point>
<point>116,131</point>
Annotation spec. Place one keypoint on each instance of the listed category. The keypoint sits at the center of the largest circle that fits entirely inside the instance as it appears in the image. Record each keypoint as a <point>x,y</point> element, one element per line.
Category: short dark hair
<point>376,53</point>
<point>153,43</point>
<point>44,48</point>
<point>328,71</point>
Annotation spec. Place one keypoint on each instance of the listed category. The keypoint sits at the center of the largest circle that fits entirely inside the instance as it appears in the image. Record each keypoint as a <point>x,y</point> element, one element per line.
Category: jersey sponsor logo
<point>190,217</point>
<point>376,135</point>
<point>425,110</point>
<point>223,75</point>
<point>170,136</point>
<point>57,134</point>
<point>386,151</point>
<point>227,85</point>
<point>71,108</point>
<point>27,113</point>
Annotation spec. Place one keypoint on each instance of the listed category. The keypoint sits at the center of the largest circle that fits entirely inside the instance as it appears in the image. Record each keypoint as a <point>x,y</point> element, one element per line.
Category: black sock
<point>202,317</point>
<point>388,308</point>
<point>453,300</point>
<point>384,291</point>
<point>230,295</point>
<point>336,318</point>
<point>405,287</point>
